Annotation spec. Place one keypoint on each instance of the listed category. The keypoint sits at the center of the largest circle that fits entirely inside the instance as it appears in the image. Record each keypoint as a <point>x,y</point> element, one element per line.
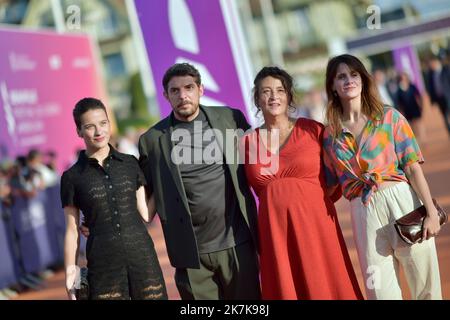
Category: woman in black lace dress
<point>108,187</point>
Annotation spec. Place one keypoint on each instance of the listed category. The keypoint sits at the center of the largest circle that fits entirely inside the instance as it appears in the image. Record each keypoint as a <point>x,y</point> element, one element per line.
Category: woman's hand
<point>71,293</point>
<point>431,225</point>
<point>71,276</point>
<point>71,240</point>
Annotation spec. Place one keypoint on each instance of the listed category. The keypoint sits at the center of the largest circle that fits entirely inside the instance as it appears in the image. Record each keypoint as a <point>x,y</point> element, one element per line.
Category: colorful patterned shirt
<point>387,145</point>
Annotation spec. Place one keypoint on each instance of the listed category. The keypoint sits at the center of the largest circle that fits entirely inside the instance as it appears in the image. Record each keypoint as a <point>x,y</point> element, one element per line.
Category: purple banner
<point>406,60</point>
<point>42,76</point>
<point>196,32</point>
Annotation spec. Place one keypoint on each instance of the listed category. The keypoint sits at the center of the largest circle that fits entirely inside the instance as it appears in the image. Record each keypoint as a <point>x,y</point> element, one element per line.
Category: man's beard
<point>188,111</point>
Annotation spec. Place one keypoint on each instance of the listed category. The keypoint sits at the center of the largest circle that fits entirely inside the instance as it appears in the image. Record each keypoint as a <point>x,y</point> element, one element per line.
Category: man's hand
<point>84,230</point>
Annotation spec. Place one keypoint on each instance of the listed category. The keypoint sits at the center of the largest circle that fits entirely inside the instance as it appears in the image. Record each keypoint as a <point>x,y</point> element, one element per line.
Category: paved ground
<point>437,170</point>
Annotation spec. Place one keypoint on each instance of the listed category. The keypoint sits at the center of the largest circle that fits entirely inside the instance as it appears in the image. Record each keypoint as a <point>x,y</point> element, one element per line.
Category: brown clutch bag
<point>409,227</point>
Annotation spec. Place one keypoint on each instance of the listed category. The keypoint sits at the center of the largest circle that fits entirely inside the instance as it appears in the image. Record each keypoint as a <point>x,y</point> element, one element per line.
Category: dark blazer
<point>164,180</point>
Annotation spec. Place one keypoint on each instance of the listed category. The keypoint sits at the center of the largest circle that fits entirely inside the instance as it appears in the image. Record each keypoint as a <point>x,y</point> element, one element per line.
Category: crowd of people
<point>224,246</point>
<point>22,180</point>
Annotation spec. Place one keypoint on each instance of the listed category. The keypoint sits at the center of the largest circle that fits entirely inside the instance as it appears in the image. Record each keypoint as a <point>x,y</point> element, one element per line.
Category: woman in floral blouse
<point>372,154</point>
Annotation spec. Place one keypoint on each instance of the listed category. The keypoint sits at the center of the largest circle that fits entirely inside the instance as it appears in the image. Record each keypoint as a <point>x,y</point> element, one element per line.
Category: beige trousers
<point>381,251</point>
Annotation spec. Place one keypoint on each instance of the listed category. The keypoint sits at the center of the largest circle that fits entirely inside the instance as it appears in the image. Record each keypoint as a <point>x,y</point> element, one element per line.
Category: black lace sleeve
<point>140,177</point>
<point>67,191</point>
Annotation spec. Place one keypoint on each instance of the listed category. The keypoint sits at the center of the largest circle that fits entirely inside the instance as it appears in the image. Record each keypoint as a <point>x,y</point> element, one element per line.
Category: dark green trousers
<point>230,274</point>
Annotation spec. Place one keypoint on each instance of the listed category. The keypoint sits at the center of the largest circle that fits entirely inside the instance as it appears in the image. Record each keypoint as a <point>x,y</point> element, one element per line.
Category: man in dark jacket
<point>438,87</point>
<point>207,211</point>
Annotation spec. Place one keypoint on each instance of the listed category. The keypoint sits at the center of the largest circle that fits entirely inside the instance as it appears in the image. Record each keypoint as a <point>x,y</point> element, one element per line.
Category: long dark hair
<point>371,104</point>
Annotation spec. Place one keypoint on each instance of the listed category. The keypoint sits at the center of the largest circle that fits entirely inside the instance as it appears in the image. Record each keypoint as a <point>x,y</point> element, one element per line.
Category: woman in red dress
<point>302,250</point>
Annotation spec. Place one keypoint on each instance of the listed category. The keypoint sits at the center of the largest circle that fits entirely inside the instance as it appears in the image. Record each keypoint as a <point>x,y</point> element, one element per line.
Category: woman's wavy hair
<point>371,104</point>
<point>277,73</point>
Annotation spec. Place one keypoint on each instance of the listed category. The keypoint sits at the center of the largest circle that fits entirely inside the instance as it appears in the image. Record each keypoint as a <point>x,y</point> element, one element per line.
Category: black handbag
<point>409,227</point>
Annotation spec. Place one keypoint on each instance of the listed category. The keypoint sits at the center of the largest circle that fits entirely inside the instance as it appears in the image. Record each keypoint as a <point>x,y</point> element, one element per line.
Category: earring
<point>335,93</point>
